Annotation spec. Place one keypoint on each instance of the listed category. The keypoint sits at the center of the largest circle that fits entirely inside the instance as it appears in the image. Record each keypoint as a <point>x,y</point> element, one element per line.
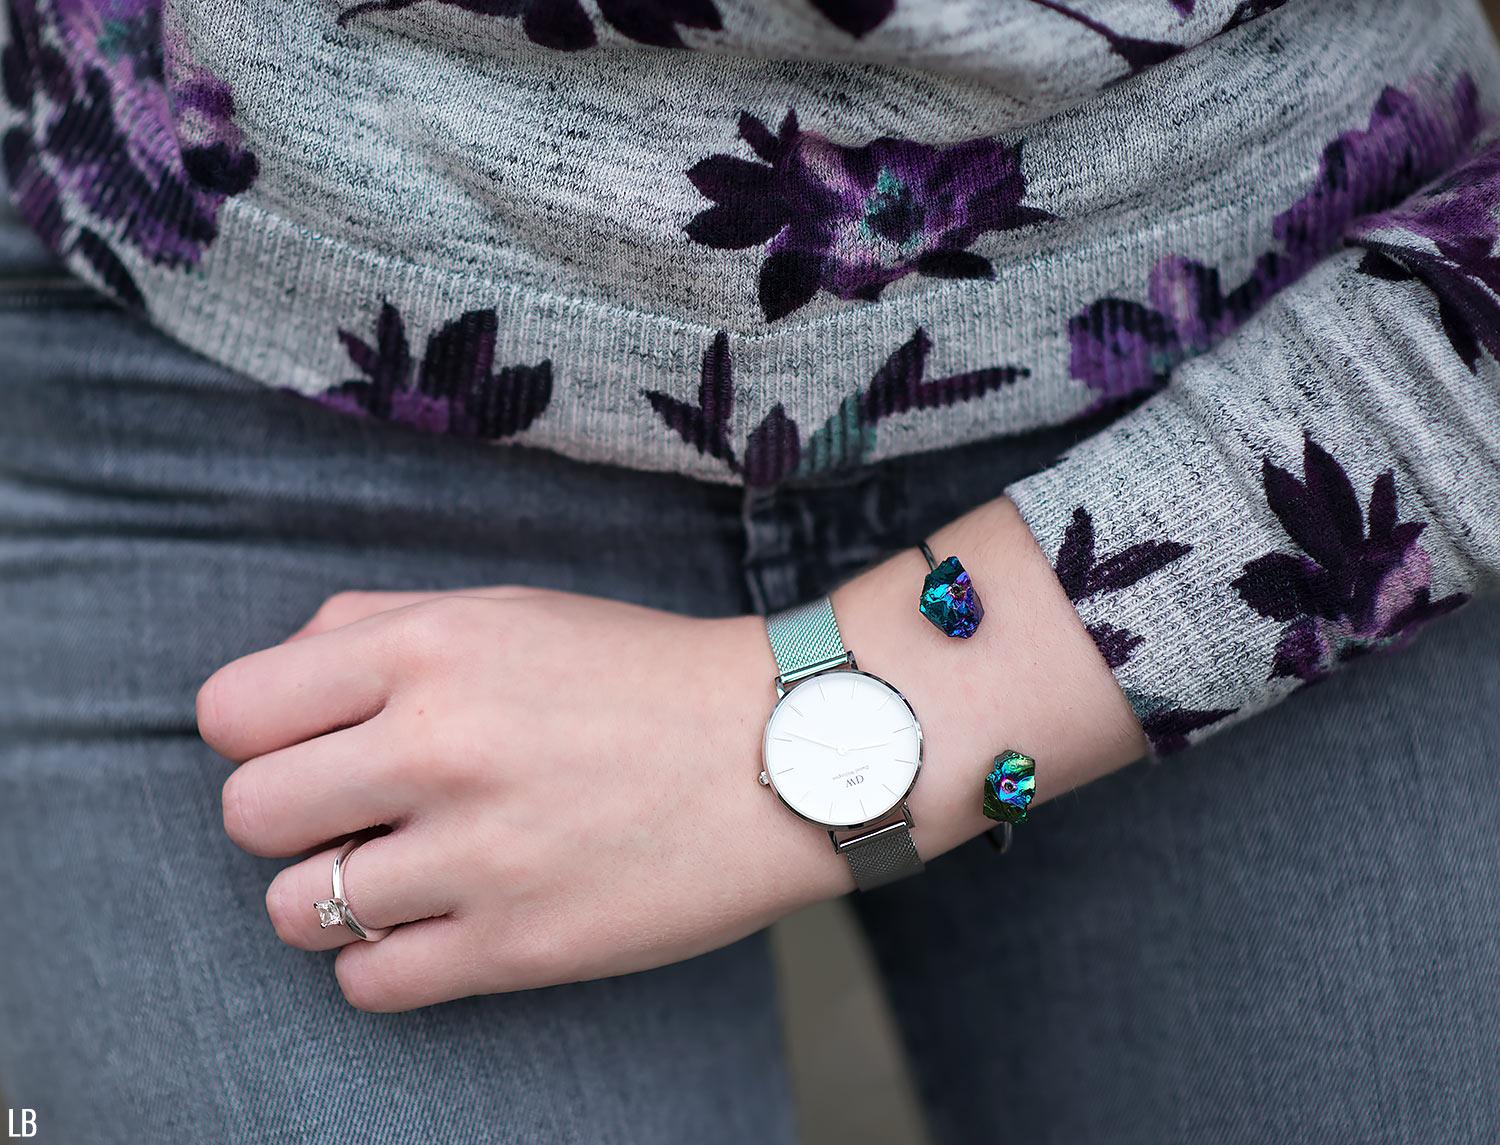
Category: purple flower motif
<point>1409,141</point>
<point>122,135</point>
<point>1122,347</point>
<point>852,220</point>
<point>1359,582</point>
<point>455,389</point>
<point>1457,216</point>
<point>565,26</point>
<point>776,449</point>
<point>1083,575</point>
<point>857,17</point>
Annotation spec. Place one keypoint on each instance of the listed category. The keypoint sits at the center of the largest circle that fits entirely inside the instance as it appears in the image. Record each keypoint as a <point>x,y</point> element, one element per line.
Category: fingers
<point>298,798</point>
<point>394,879</point>
<point>333,673</point>
<point>293,692</point>
<point>347,608</point>
<point>419,965</point>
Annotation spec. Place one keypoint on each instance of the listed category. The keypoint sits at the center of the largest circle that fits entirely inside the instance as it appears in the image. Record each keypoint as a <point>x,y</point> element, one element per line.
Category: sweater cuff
<point>1319,487</point>
<point>1127,518</point>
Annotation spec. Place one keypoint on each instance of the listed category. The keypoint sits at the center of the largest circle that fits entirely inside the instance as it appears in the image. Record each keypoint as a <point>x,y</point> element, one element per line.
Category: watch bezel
<point>898,805</point>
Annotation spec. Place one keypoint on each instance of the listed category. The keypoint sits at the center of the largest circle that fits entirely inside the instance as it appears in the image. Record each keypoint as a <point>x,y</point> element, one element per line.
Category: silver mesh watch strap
<point>805,640</point>
<point>881,856</point>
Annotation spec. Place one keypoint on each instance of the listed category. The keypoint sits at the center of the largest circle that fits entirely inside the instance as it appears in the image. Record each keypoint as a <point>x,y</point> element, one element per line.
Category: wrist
<point>1030,678</point>
<point>790,858</point>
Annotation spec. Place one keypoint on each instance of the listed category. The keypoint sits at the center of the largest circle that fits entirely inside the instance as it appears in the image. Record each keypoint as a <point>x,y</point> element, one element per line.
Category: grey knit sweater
<point>760,241</point>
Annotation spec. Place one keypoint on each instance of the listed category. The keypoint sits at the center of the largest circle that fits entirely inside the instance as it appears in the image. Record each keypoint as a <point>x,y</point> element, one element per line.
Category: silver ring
<point>335,911</point>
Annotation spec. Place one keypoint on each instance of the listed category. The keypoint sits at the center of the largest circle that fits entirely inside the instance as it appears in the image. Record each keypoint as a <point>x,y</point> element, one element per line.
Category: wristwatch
<point>842,748</point>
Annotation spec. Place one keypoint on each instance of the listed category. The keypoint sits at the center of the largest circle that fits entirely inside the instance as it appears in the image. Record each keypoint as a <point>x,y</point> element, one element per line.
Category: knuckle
<point>340,609</point>
<point>433,630</point>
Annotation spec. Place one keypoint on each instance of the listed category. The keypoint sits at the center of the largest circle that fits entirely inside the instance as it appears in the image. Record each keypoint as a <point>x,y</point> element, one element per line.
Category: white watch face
<point>842,748</point>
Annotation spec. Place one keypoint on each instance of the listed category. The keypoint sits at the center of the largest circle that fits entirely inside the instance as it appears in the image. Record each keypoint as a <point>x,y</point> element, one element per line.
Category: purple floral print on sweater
<point>567,27</point>
<point>776,448</point>
<point>853,220</point>
<point>140,141</point>
<point>1456,217</point>
<point>1359,580</point>
<point>455,389</point>
<point>1084,575</point>
<point>1137,52</point>
<point>1122,347</point>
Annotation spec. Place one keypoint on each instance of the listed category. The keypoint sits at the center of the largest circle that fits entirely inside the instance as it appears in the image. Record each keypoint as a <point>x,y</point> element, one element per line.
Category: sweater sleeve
<point>1320,485</point>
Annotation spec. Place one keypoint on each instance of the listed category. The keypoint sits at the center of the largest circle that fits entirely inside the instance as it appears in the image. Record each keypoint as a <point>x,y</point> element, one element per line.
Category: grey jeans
<point>1287,934</point>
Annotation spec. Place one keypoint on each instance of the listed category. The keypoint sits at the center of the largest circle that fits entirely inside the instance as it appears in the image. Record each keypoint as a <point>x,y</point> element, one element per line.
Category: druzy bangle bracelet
<point>1008,789</point>
<point>949,598</point>
<point>950,601</point>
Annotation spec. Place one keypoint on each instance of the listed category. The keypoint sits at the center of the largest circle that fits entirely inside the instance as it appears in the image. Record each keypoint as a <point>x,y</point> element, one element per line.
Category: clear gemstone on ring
<point>330,913</point>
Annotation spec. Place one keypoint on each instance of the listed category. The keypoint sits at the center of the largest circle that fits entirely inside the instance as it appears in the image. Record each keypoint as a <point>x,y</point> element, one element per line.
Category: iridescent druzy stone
<point>950,601</point>
<point>1009,786</point>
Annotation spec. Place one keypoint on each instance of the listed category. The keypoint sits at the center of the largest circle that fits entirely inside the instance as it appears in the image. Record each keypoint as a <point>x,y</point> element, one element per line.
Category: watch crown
<point>765,780</point>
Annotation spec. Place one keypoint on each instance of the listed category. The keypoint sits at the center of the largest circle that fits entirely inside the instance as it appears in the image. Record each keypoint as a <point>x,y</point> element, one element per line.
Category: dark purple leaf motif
<point>130,145</point>
<point>1457,217</point>
<point>788,282</point>
<point>1134,564</point>
<point>565,26</point>
<point>776,448</point>
<point>112,273</point>
<point>1115,643</point>
<point>852,220</point>
<point>1075,556</point>
<point>773,450</point>
<point>857,17</point>
<point>454,390</point>
<point>1121,347</point>
<point>1278,585</point>
<point>1083,576</point>
<point>704,426</point>
<point>1138,54</point>
<point>1360,582</point>
<point>900,385</point>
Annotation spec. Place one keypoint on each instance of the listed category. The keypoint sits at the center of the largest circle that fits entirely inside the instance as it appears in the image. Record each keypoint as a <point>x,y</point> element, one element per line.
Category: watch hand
<point>868,746</point>
<point>809,739</point>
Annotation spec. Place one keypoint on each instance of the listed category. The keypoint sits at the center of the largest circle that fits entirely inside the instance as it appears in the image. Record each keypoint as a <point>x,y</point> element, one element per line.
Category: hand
<point>570,783</point>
